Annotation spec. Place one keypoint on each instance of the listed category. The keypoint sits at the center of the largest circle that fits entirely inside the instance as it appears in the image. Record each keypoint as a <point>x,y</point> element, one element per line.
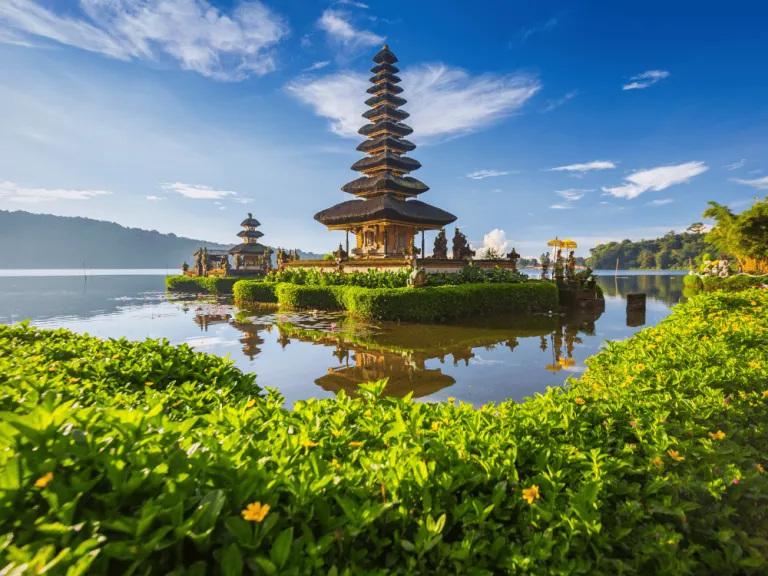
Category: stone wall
<point>431,265</point>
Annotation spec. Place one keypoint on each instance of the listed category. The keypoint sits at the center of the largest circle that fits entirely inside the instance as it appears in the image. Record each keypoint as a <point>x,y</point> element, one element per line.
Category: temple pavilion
<point>250,255</point>
<point>385,216</point>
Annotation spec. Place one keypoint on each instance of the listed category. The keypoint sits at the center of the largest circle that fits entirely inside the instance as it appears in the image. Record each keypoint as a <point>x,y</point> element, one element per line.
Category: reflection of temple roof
<point>249,248</point>
<point>384,207</point>
<point>421,383</point>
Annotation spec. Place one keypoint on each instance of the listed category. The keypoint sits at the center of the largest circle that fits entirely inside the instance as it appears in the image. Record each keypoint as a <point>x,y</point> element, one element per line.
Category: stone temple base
<point>430,265</point>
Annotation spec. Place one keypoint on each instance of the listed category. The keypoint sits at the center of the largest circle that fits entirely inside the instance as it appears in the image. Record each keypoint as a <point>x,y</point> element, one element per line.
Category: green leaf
<point>281,549</point>
<point>208,511</point>
<point>231,563</point>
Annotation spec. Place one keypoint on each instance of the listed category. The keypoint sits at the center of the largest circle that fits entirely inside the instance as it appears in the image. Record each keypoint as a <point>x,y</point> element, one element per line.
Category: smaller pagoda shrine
<point>250,256</point>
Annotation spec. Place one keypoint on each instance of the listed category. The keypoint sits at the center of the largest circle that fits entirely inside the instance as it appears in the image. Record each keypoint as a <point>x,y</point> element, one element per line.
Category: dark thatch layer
<point>387,111</point>
<point>392,128</point>
<point>385,98</point>
<point>250,223</point>
<point>379,68</point>
<point>250,234</point>
<point>249,248</point>
<point>385,86</point>
<point>385,56</point>
<point>385,207</point>
<point>390,142</point>
<point>385,182</point>
<point>387,161</point>
<point>385,76</point>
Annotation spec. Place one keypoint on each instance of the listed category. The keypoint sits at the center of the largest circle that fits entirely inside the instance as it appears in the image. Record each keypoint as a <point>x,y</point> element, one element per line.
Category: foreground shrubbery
<point>398,279</point>
<point>431,304</point>
<point>123,457</point>
<point>733,283</point>
<point>207,284</point>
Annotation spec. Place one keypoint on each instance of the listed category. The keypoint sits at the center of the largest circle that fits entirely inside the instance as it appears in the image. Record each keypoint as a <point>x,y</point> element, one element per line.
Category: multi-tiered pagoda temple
<point>250,255</point>
<point>385,217</point>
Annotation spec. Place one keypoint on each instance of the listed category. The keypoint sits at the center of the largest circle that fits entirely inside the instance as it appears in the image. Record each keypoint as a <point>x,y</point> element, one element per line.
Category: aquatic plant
<point>120,457</point>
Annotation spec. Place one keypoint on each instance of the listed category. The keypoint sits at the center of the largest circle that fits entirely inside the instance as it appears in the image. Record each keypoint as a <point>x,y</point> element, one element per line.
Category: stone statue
<point>184,268</point>
<point>513,257</point>
<point>544,265</point>
<point>570,271</point>
<point>227,267</point>
<point>340,254</point>
<point>205,261</point>
<point>559,265</point>
<point>199,262</point>
<point>266,260</point>
<point>461,249</point>
<point>417,278</point>
<point>440,250</point>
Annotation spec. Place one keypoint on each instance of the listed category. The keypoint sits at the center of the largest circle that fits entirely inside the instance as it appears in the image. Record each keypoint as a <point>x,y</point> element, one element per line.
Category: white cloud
<point>573,194</point>
<point>442,101</point>
<point>656,179</point>
<point>198,191</point>
<point>243,200</point>
<point>596,165</point>
<point>195,34</point>
<point>338,26</point>
<point>16,193</point>
<point>660,202</point>
<point>496,191</point>
<point>352,3</point>
<point>481,174</point>
<point>556,103</point>
<point>306,41</point>
<point>495,239</point>
<point>317,66</point>
<point>549,24</point>
<point>155,198</point>
<point>758,183</point>
<point>646,79</point>
<point>735,165</point>
<point>561,206</point>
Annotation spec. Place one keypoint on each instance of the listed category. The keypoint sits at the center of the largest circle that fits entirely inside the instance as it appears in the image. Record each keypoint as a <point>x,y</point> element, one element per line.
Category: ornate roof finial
<point>385,47</point>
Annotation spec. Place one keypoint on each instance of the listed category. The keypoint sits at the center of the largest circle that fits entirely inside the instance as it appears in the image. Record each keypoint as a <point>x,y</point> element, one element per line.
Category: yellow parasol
<point>566,362</point>
<point>555,243</point>
<point>569,244</point>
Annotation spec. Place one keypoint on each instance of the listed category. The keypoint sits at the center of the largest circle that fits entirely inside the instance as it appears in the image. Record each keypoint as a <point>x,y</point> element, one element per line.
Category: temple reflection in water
<point>414,358</point>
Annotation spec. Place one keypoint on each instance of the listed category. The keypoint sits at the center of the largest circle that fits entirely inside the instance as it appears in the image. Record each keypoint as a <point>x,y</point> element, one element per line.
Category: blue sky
<point>595,120</point>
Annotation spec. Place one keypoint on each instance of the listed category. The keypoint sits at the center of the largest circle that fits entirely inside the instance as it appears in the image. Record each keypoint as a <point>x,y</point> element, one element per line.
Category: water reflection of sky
<point>304,356</point>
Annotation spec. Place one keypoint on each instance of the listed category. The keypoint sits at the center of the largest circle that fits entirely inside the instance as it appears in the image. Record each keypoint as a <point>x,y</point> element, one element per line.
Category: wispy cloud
<point>756,171</point>
<point>561,206</point>
<point>242,200</point>
<point>552,104</point>
<point>735,165</point>
<point>155,198</point>
<point>573,194</point>
<point>352,3</point>
<point>317,66</point>
<point>16,193</point>
<point>198,191</point>
<point>528,32</point>
<point>758,183</point>
<point>193,33</point>
<point>443,101</point>
<point>587,167</point>
<point>645,79</point>
<point>337,24</point>
<point>481,174</point>
<point>661,202</point>
<point>656,179</point>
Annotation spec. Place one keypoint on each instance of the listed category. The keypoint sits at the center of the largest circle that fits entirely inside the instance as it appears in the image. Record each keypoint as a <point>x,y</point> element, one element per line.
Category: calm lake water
<point>305,355</point>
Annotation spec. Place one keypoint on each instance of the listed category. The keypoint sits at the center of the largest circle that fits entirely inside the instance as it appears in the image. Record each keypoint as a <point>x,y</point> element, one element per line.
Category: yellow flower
<point>308,443</point>
<point>657,462</point>
<point>675,455</point>
<point>73,380</point>
<point>531,494</point>
<point>251,403</point>
<point>367,414</point>
<point>658,338</point>
<point>451,399</point>
<point>147,383</point>
<point>356,444</point>
<point>435,426</point>
<point>640,367</point>
<point>753,303</point>
<point>765,393</point>
<point>116,356</point>
<point>754,365</point>
<point>759,467</point>
<point>256,511</point>
<point>44,480</point>
<point>579,401</point>
<point>336,433</point>
<point>335,464</point>
<point>719,435</point>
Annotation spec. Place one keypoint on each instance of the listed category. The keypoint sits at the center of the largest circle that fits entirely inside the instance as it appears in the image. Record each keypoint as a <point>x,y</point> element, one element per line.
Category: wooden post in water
<point>617,266</point>
<point>635,309</point>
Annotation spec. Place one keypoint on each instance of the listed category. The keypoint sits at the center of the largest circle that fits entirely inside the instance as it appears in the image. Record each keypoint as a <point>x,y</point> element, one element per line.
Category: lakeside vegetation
<point>123,456</point>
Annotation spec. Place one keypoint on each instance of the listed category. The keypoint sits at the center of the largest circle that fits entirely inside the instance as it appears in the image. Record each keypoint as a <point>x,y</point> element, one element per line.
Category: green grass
<point>431,304</point>
<point>206,284</point>
<point>120,457</point>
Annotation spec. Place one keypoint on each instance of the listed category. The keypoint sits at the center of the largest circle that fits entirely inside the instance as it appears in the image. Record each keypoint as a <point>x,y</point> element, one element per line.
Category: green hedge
<point>431,304</point>
<point>208,284</point>
<point>121,457</point>
<point>693,281</point>
<point>732,283</point>
<point>255,291</point>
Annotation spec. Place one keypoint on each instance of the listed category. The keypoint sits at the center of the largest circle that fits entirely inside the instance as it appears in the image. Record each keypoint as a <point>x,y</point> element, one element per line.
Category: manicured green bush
<point>693,281</point>
<point>652,463</point>
<point>312,297</point>
<point>255,291</point>
<point>207,284</point>
<point>733,283</point>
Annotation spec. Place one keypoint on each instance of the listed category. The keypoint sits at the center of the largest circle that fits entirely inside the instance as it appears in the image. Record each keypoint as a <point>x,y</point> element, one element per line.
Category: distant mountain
<point>47,241</point>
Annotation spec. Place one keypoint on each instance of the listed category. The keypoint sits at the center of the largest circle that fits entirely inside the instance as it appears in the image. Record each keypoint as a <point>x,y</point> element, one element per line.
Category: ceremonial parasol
<point>555,243</point>
<point>569,244</point>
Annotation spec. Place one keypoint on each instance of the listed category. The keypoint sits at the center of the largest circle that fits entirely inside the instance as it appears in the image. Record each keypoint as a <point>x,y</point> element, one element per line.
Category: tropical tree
<point>743,236</point>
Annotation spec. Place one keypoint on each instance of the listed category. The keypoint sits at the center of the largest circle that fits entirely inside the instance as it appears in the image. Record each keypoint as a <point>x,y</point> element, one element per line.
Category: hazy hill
<point>46,241</point>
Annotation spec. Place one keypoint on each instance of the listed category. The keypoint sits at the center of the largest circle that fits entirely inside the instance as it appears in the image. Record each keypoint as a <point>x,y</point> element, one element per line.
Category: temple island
<point>385,218</point>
